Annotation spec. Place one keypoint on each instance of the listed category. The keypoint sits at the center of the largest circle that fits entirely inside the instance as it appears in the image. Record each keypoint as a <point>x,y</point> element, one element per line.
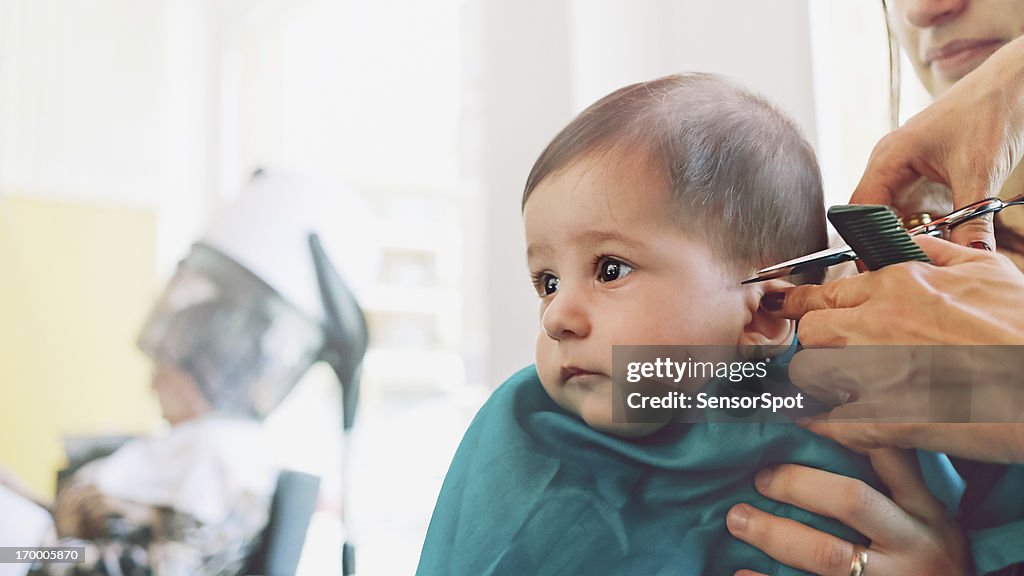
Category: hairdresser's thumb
<point>977,233</point>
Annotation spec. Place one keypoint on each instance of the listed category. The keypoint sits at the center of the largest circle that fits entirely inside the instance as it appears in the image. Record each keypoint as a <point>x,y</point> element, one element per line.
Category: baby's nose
<point>566,316</point>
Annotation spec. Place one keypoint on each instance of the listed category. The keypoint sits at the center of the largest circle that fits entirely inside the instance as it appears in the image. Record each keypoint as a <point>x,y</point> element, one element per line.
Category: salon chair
<point>291,508</point>
<point>290,511</point>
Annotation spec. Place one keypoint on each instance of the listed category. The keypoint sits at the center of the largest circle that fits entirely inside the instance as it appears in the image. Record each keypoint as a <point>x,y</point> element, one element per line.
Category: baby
<point>642,217</point>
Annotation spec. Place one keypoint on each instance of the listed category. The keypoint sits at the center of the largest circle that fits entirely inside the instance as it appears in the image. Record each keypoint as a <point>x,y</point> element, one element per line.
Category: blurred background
<point>125,125</point>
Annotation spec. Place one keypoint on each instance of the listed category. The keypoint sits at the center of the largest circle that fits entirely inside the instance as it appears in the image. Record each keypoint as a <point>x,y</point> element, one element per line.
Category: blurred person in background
<point>254,304</point>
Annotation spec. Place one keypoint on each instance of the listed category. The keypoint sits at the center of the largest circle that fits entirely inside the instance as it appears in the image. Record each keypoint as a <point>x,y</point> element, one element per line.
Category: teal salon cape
<point>533,490</point>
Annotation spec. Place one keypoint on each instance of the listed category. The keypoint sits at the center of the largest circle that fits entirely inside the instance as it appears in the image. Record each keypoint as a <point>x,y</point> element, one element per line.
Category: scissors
<point>839,254</point>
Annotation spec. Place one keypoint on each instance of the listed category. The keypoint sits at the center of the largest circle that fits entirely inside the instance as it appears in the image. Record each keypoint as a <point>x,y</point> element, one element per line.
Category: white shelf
<point>411,300</point>
<point>416,369</point>
<point>415,308</point>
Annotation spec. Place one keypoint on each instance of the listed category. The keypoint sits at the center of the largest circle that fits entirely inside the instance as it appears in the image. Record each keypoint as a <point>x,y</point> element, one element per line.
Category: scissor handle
<point>958,217</point>
<point>831,256</point>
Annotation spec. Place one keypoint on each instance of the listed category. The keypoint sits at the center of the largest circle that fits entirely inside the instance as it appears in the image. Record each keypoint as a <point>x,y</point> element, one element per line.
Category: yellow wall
<point>76,282</point>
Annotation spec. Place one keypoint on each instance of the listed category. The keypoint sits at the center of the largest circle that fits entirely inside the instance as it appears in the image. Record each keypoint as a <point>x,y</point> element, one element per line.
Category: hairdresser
<point>970,56</point>
<point>972,140</point>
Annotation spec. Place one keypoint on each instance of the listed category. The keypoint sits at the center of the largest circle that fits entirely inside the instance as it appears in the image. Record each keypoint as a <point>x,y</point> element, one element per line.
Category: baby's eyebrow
<point>602,236</point>
<point>587,238</point>
<point>533,250</point>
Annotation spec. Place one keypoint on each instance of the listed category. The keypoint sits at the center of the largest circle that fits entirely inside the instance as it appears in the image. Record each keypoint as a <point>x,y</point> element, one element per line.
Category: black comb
<point>875,235</point>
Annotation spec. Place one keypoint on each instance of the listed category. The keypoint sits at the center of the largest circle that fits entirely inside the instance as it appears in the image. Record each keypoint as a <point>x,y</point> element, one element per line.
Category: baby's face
<point>611,266</point>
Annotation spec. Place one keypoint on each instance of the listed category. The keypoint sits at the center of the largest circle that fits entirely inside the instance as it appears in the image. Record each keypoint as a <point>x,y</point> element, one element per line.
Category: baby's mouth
<point>576,375</point>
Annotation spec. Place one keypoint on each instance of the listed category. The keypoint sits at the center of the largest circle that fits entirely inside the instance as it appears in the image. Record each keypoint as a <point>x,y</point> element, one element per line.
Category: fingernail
<point>762,479</point>
<point>773,301</point>
<point>980,245</point>
<point>737,519</point>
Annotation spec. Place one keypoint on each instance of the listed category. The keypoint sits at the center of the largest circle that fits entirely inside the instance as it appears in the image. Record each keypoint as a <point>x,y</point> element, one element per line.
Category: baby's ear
<point>764,335</point>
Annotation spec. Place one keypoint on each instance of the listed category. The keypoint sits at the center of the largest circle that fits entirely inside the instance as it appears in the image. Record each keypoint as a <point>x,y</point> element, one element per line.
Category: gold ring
<point>859,562</point>
<point>916,219</point>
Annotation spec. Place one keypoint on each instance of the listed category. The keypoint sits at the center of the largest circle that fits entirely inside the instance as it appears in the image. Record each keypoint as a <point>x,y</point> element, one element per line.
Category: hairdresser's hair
<point>741,173</point>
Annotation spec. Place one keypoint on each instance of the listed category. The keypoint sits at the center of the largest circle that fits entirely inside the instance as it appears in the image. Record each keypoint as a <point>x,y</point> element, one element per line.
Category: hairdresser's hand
<point>1003,443</point>
<point>968,297</point>
<point>970,139</point>
<point>909,533</point>
<point>80,511</point>
<point>83,511</point>
<point>966,401</point>
<point>896,396</point>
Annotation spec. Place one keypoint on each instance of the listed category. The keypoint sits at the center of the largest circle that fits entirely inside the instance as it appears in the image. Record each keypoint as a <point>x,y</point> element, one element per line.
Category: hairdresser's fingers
<point>849,500</point>
<point>884,177</point>
<point>976,233</point>
<point>884,410</point>
<point>834,328</point>
<point>837,375</point>
<point>862,437</point>
<point>944,253</point>
<point>799,300</point>
<point>888,176</point>
<point>901,474</point>
<point>909,402</point>
<point>970,186</point>
<point>990,442</point>
<point>818,372</point>
<point>790,542</point>
<point>748,573</point>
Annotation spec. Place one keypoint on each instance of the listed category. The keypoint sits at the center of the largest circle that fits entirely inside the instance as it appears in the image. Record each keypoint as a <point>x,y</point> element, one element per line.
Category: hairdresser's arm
<point>909,533</point>
<point>970,139</point>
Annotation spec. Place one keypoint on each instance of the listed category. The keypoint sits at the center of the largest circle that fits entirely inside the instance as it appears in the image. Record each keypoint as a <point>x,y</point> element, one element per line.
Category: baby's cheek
<point>717,320</point>
<point>548,368</point>
<point>559,396</point>
<point>545,355</point>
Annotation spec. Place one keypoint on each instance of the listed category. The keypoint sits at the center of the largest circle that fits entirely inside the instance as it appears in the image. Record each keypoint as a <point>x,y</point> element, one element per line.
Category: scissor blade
<point>821,259</point>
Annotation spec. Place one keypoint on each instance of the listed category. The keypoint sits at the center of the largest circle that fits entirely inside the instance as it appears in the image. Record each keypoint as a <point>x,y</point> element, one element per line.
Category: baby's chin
<point>624,429</point>
<point>597,413</point>
<point>594,406</point>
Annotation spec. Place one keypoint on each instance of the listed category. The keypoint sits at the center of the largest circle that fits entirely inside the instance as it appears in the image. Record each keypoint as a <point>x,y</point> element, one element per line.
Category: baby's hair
<point>741,173</point>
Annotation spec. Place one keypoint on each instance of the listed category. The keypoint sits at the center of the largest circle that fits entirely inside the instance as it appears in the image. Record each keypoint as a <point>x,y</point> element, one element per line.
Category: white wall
<point>851,79</point>
<point>112,102</point>
<point>525,96</point>
<point>763,45</point>
<point>79,92</point>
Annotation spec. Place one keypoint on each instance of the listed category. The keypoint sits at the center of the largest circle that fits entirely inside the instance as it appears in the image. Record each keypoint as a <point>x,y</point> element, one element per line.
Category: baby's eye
<point>610,270</point>
<point>546,284</point>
